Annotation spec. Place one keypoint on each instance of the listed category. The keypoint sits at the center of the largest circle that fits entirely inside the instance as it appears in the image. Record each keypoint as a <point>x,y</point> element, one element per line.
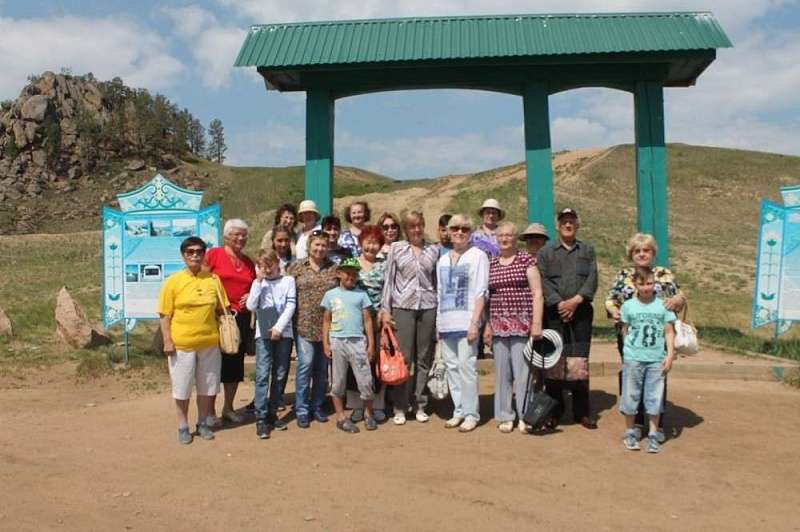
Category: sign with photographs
<point>777,286</point>
<point>141,245</point>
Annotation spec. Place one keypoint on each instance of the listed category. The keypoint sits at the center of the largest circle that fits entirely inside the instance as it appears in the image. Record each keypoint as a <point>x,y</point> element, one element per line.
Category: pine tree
<point>196,137</point>
<point>216,145</point>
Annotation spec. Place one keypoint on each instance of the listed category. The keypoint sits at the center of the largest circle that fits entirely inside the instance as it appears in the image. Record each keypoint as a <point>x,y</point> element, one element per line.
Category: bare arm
<point>166,333</point>
<point>535,284</point>
<point>475,320</point>
<point>326,327</point>
<point>369,330</point>
<point>669,337</point>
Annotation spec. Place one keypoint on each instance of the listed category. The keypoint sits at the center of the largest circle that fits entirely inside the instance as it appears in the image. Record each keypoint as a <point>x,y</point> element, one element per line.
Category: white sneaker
<point>422,417</point>
<point>399,418</point>
<point>469,424</point>
<point>453,422</point>
<point>505,427</point>
<point>523,427</point>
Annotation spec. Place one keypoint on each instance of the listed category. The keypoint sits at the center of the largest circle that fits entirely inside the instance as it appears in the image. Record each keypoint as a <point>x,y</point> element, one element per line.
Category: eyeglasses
<point>460,228</point>
<point>194,252</point>
<point>387,227</point>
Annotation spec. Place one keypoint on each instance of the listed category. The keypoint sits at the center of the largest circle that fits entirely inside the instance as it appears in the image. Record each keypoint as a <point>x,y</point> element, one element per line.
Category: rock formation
<point>73,327</point>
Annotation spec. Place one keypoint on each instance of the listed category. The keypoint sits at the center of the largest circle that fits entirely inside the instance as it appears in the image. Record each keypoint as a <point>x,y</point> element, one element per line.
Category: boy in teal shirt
<point>648,332</point>
<point>348,339</point>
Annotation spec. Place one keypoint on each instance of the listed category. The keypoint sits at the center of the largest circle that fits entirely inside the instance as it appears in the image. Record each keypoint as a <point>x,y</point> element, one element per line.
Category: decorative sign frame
<point>777,286</point>
<point>141,246</point>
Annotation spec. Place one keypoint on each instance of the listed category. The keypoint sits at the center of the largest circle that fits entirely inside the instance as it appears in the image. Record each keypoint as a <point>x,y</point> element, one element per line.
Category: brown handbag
<point>229,337</point>
<point>391,364</point>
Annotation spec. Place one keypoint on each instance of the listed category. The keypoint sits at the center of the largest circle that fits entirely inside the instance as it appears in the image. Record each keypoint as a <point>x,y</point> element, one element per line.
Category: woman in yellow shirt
<point>188,305</point>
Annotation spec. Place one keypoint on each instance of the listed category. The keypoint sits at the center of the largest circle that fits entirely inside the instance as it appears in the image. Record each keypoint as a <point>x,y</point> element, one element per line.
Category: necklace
<point>237,263</point>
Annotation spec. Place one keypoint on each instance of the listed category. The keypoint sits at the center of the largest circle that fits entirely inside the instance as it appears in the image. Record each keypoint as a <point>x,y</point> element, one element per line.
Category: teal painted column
<point>538,160</point>
<point>319,149</point>
<point>651,165</point>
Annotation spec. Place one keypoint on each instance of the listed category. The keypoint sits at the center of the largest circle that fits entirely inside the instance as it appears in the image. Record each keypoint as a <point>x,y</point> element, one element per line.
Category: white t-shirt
<point>459,285</point>
<point>301,248</point>
<point>279,294</point>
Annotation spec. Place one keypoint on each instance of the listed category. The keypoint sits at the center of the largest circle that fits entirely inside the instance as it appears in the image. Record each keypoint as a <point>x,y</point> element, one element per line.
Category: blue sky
<point>749,98</point>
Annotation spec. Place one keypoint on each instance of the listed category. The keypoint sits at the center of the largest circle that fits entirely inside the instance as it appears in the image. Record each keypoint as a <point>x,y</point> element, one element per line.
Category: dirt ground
<point>104,456</point>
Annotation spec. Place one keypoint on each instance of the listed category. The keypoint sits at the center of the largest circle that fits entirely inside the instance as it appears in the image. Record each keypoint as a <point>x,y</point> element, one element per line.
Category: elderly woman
<point>516,305</point>
<point>484,237</point>
<point>370,280</point>
<point>314,276</point>
<point>535,237</point>
<point>356,214</point>
<point>281,243</point>
<point>390,228</point>
<point>462,276</point>
<point>237,272</point>
<point>641,250</point>
<point>286,217</point>
<point>188,304</point>
<point>308,215</point>
<point>409,304</point>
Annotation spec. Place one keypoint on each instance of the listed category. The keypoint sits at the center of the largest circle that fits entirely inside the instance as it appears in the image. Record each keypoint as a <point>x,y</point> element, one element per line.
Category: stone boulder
<point>73,327</point>
<point>6,329</point>
<point>35,108</point>
<point>135,165</point>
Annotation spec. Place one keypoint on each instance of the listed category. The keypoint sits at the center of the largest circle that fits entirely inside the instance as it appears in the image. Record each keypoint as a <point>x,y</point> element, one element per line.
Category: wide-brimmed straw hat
<point>535,229</point>
<point>308,206</point>
<point>492,203</point>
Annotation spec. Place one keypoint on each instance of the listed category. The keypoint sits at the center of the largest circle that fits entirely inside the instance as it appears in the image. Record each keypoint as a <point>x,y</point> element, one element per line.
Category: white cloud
<point>568,133</point>
<point>274,144</point>
<point>107,47</point>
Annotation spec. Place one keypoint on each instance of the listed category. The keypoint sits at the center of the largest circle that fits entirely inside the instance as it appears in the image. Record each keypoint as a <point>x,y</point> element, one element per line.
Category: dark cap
<point>566,211</point>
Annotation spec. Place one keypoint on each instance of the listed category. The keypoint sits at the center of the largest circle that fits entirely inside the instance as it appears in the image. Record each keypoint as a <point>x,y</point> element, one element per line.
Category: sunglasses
<point>460,229</point>
<point>194,252</point>
<point>387,227</point>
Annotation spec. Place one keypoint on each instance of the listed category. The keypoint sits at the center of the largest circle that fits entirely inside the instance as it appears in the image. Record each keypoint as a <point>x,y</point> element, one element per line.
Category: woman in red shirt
<point>236,271</point>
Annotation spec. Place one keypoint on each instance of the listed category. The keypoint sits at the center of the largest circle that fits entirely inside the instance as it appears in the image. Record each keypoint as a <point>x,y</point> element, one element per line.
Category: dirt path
<point>101,457</point>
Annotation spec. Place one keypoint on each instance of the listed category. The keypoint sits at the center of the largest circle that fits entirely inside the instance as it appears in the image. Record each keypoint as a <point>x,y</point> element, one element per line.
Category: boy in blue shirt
<point>648,331</point>
<point>347,338</point>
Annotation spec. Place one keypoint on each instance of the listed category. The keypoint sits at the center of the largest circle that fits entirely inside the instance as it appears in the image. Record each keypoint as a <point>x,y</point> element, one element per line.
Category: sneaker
<point>399,418</point>
<point>357,415</point>
<point>379,415</point>
<point>232,416</point>
<point>346,425</point>
<point>422,417</point>
<point>204,432</point>
<point>184,436</point>
<point>652,444</point>
<point>214,422</point>
<point>523,427</point>
<point>262,429</point>
<point>469,425</point>
<point>506,427</point>
<point>660,436</point>
<point>302,421</point>
<point>638,431</point>
<point>630,441</point>
<point>370,423</point>
<point>319,417</point>
<point>453,422</point>
<point>279,424</point>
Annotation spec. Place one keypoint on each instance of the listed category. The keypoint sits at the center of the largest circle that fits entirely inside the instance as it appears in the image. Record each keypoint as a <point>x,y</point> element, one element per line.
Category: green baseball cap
<point>350,263</point>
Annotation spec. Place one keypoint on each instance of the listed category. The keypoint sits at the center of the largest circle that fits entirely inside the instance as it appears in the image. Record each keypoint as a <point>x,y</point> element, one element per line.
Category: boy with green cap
<point>348,339</point>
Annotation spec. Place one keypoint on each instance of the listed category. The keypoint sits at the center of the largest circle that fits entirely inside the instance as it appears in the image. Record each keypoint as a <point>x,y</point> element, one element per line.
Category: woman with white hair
<point>237,272</point>
<point>462,276</point>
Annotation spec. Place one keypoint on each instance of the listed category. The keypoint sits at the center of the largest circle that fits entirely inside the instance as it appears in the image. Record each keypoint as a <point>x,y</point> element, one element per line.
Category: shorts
<point>351,352</point>
<point>200,366</point>
<point>642,379</point>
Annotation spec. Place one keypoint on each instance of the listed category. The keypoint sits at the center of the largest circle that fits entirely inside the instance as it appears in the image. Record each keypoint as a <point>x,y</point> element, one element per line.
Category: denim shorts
<point>642,379</point>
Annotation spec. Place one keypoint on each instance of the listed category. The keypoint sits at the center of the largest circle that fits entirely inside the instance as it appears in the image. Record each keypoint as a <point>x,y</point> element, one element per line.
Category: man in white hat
<point>483,237</point>
<point>309,216</point>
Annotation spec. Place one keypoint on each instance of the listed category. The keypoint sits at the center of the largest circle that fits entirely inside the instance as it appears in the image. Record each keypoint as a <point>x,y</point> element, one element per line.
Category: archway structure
<point>532,56</point>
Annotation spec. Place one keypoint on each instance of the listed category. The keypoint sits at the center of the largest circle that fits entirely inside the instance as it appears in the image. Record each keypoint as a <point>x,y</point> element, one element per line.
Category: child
<point>273,298</point>
<point>647,327</point>
<point>347,337</point>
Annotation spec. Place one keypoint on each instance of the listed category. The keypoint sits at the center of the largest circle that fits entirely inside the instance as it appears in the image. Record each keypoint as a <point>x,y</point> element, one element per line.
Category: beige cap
<point>535,229</point>
<point>492,203</point>
<point>308,206</point>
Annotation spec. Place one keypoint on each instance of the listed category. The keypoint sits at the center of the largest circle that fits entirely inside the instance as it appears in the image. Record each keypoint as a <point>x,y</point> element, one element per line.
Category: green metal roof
<point>316,44</point>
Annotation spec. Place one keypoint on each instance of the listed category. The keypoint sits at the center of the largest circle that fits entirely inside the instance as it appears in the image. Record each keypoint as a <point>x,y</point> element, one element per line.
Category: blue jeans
<point>642,379</point>
<point>460,359</point>
<point>272,368</point>
<point>311,380</point>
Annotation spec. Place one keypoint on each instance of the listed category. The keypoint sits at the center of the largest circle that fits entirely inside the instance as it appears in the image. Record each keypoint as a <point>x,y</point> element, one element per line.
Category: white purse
<point>686,336</point>
<point>437,378</point>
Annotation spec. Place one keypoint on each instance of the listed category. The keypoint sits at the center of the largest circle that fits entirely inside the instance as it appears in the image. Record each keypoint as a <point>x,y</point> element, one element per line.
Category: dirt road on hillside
<point>98,456</point>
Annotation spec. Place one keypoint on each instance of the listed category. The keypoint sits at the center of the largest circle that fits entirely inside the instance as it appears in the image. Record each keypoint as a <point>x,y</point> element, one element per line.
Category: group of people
<point>332,293</point>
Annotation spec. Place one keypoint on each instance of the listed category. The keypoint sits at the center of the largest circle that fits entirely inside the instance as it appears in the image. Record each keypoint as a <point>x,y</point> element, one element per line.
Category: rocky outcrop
<point>73,327</point>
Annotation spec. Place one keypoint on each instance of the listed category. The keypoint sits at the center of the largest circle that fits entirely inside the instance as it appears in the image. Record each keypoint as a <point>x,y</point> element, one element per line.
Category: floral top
<point>372,282</point>
<point>487,242</point>
<point>623,288</point>
<point>311,286</point>
<point>510,299</point>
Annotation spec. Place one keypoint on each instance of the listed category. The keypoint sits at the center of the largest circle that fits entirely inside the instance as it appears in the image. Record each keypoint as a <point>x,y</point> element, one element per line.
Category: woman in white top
<point>273,298</point>
<point>462,277</point>
<point>308,215</point>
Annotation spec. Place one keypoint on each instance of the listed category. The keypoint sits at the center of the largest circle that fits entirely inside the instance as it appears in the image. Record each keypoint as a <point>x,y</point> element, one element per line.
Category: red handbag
<point>391,364</point>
